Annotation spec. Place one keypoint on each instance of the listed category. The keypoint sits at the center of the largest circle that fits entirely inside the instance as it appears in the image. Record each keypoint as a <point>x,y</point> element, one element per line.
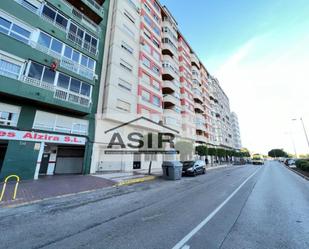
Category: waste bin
<point>172,170</point>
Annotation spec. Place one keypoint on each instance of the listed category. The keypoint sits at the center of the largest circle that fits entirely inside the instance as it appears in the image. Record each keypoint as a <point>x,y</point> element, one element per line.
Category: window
<point>14,30</point>
<point>10,67</point>
<point>74,85</point>
<point>156,70</point>
<point>146,62</point>
<point>147,8</point>
<point>146,96</point>
<point>156,30</point>
<point>9,114</point>
<point>68,52</point>
<point>83,39</point>
<point>128,31</point>
<point>126,65</point>
<point>35,71</point>
<point>156,85</point>
<point>156,43</point>
<point>147,20</point>
<point>63,81</point>
<point>147,48</point>
<point>45,75</point>
<point>55,17</point>
<point>125,85</point>
<point>127,48</point>
<point>123,106</point>
<point>146,78</point>
<point>156,56</point>
<point>157,7</point>
<point>129,16</point>
<point>156,101</point>
<point>32,5</point>
<point>55,122</point>
<point>147,34</point>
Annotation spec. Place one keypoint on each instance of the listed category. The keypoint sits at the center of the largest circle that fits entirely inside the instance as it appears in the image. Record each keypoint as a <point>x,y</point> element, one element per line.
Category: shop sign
<point>40,137</point>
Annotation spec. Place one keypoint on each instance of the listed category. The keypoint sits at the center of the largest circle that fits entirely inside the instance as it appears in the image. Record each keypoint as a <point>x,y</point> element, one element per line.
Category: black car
<point>193,168</point>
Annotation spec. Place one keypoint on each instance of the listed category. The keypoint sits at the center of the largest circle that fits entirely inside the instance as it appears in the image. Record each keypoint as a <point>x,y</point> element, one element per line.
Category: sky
<point>259,51</point>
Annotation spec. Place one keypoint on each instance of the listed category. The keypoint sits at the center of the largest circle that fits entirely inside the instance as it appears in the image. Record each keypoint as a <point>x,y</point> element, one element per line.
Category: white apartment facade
<point>236,131</point>
<point>151,71</point>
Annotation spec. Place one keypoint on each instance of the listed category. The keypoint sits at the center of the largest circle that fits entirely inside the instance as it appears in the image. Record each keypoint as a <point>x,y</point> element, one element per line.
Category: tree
<point>274,153</point>
<point>201,150</point>
<point>185,149</point>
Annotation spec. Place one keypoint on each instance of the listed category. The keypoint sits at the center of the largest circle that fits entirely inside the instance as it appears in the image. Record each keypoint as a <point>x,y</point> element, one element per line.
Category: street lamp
<point>302,121</point>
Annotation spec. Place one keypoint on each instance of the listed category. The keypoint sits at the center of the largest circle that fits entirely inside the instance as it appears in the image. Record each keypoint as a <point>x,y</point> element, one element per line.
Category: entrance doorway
<point>70,160</point>
<point>137,161</point>
<point>3,147</point>
<point>44,164</point>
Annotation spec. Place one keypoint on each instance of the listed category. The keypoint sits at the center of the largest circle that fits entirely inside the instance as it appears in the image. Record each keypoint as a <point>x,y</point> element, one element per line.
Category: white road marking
<point>185,247</point>
<point>182,242</point>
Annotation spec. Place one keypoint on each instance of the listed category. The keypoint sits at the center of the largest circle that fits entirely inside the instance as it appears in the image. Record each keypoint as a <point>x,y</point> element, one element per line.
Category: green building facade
<point>51,56</point>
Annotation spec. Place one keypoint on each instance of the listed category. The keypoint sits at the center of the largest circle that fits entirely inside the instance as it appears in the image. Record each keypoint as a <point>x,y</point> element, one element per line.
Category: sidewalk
<point>52,186</point>
<point>127,178</point>
<point>56,186</point>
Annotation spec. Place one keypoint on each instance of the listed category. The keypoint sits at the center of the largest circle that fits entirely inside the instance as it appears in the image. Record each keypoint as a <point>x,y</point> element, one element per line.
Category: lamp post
<point>304,128</point>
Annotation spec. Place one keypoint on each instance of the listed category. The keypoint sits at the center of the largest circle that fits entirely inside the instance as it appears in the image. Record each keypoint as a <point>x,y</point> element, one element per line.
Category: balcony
<point>168,31</point>
<point>198,95</point>
<point>198,108</point>
<point>201,139</point>
<point>91,8</point>
<point>169,48</point>
<point>172,112</point>
<point>170,100</point>
<point>200,127</point>
<point>169,86</point>
<point>169,73</point>
<point>83,19</point>
<point>59,93</point>
<point>195,61</point>
<point>82,43</point>
<point>200,118</point>
<point>65,62</point>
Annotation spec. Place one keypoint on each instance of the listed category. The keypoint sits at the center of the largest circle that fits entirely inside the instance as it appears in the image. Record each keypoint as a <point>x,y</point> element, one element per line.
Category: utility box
<point>172,170</point>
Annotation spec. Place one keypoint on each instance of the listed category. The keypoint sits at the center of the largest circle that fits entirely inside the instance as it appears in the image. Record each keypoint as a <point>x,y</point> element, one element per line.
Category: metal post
<point>302,121</point>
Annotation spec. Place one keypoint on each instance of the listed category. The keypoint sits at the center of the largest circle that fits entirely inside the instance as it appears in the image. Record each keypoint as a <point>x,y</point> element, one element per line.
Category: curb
<point>295,171</point>
<point>51,198</point>
<point>136,180</point>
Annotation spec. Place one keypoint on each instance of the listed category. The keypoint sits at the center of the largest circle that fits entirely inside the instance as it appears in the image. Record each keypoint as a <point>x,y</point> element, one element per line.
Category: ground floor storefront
<point>31,154</point>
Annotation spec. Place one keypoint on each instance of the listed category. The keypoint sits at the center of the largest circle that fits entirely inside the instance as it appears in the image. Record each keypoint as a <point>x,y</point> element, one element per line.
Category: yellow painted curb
<point>136,180</point>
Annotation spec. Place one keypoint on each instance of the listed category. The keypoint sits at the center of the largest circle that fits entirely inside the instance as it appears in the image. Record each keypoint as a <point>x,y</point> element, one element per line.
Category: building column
<point>38,163</point>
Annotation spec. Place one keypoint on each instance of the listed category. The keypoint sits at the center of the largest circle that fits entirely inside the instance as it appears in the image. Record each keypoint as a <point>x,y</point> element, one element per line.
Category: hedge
<point>303,164</point>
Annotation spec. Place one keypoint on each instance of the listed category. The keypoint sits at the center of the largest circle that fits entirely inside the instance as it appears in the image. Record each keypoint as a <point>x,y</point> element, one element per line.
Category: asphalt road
<point>242,207</point>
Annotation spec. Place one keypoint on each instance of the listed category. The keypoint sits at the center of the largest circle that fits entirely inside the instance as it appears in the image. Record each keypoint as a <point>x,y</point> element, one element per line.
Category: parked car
<point>290,162</point>
<point>193,167</point>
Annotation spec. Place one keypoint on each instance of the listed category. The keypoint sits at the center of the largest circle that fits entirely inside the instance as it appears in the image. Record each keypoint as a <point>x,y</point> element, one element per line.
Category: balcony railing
<point>95,5</point>
<point>59,93</point>
<point>82,43</point>
<point>83,19</point>
<point>65,62</point>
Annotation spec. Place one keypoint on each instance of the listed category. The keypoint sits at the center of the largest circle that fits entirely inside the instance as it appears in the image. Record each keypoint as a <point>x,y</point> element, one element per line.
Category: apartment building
<point>153,82</point>
<point>236,131</point>
<point>220,112</point>
<point>50,68</point>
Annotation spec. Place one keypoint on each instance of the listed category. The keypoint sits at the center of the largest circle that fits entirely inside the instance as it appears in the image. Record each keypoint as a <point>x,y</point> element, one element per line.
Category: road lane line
<point>182,242</point>
<point>185,247</point>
